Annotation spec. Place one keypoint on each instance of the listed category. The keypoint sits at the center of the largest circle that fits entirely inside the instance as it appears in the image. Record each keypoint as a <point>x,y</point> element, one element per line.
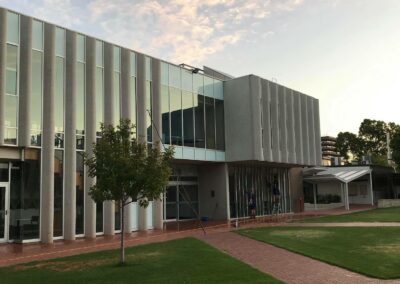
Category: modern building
<point>232,136</point>
<point>330,155</point>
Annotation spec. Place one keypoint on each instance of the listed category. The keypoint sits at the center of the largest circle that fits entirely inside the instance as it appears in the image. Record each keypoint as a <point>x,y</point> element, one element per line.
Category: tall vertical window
<point>133,91</point>
<point>99,86</point>
<point>58,192</point>
<point>80,193</point>
<point>149,101</point>
<point>210,123</point>
<point>117,85</point>
<point>175,106</point>
<point>188,116</point>
<point>165,115</point>
<point>220,124</point>
<point>59,88</point>
<point>80,92</point>
<point>198,105</point>
<point>12,63</point>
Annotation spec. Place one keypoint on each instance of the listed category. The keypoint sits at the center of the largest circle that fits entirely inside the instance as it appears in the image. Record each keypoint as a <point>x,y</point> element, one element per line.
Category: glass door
<point>170,201</point>
<point>4,212</point>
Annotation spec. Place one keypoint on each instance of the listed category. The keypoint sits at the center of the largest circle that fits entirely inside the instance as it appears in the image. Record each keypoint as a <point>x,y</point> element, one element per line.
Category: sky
<point>346,53</point>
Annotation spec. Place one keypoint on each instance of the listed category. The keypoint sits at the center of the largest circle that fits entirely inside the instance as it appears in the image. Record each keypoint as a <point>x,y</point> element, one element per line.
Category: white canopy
<point>343,174</point>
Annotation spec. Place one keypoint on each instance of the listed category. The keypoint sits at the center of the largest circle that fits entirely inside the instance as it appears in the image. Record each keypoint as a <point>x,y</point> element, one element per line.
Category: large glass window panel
<point>187,80</point>
<point>199,121</point>
<point>133,102</point>
<point>10,136</point>
<point>80,48</point>
<point>99,99</point>
<point>188,125</point>
<point>174,76</point>
<point>198,84</point>
<point>12,69</point>
<point>60,44</point>
<point>218,89</point>
<point>11,108</point>
<point>15,201</point>
<point>36,100</point>
<point>149,112</point>
<point>210,123</point>
<point>176,116</point>
<point>208,86</point>
<point>164,74</point>
<point>99,54</point>
<point>80,193</point>
<point>59,96</point>
<point>133,64</point>
<point>37,35</point>
<point>58,192</point>
<point>99,217</point>
<point>80,98</point>
<point>117,59</point>
<point>117,99</point>
<point>4,172</point>
<point>12,28</point>
<point>165,114</point>
<point>220,124</point>
<point>148,68</point>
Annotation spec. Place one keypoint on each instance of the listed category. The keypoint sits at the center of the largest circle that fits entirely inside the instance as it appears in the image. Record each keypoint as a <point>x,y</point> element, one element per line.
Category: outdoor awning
<point>342,174</point>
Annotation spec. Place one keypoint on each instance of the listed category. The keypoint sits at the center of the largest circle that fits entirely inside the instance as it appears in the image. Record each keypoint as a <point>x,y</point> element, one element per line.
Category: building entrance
<point>4,212</point>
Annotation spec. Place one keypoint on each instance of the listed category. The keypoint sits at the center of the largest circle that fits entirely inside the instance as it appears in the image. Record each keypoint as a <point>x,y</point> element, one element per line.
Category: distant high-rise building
<point>330,156</point>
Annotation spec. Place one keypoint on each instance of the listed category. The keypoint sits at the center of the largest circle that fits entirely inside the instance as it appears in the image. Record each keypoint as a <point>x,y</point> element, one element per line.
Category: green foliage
<point>373,133</point>
<point>125,168</point>
<point>395,146</point>
<point>348,144</point>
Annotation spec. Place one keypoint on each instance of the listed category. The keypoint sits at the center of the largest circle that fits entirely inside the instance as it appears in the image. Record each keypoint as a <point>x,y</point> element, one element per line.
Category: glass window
<point>149,112</point>
<point>218,89</point>
<point>60,44</point>
<point>12,69</point>
<point>208,87</point>
<point>58,192</point>
<point>80,98</point>
<point>59,96</point>
<point>133,102</point>
<point>199,121</point>
<point>37,35</point>
<point>12,28</point>
<point>99,54</point>
<point>220,124</point>
<point>117,59</point>
<point>117,217</point>
<point>210,123</point>
<point>99,217</point>
<point>165,115</point>
<point>198,84</point>
<point>187,80</point>
<point>11,103</point>
<point>80,50</point>
<point>10,136</point>
<point>37,88</point>
<point>164,74</point>
<point>117,100</point>
<point>176,116</point>
<point>99,99</point>
<point>174,76</point>
<point>133,64</point>
<point>188,126</point>
<point>148,68</point>
<point>80,193</point>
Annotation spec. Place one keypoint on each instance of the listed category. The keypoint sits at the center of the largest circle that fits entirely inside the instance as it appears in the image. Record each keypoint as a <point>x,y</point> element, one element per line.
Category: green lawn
<point>375,215</point>
<point>180,261</point>
<point>371,251</point>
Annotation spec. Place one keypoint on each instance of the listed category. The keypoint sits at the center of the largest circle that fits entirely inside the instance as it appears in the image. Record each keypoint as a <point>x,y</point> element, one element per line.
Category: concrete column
<point>266,101</point>
<point>372,188</point>
<point>126,113</point>
<point>318,151</point>
<point>346,194</point>
<point>70,139</point>
<point>282,124</point>
<point>3,55</point>
<point>25,86</point>
<point>290,127</point>
<point>298,130</point>
<point>47,175</point>
<point>255,88</point>
<point>90,132</point>
<point>275,122</point>
<point>304,128</point>
<point>158,222</point>
<point>109,206</point>
<point>311,131</point>
<point>141,121</point>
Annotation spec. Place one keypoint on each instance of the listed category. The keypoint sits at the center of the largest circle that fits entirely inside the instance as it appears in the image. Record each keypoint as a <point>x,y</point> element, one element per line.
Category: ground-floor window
<point>258,186</point>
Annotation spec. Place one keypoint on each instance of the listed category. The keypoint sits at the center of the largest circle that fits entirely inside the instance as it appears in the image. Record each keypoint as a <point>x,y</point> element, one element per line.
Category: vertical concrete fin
<point>141,98</point>
<point>3,56</point>
<point>47,175</point>
<point>90,131</point>
<point>318,151</point>
<point>25,86</point>
<point>70,138</point>
<point>255,96</point>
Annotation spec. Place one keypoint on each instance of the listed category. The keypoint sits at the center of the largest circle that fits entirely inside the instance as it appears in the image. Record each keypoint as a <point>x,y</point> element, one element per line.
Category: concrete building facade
<point>233,137</point>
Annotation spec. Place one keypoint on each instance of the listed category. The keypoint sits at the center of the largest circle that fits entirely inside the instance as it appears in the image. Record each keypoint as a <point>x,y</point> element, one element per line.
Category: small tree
<point>126,170</point>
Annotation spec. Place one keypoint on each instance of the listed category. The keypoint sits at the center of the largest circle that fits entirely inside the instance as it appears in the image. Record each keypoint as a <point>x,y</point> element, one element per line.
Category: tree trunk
<point>122,207</point>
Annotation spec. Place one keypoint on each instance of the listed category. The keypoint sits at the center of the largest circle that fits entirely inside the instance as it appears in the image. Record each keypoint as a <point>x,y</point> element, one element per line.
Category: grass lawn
<point>180,261</point>
<point>375,215</point>
<point>371,251</point>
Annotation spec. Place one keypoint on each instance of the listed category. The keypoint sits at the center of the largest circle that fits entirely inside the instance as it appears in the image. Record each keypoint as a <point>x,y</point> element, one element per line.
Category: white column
<point>371,188</point>
<point>3,56</point>
<point>346,189</point>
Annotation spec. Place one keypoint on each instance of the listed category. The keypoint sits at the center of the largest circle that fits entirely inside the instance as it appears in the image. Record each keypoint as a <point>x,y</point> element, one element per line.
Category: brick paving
<point>282,264</point>
<point>346,224</point>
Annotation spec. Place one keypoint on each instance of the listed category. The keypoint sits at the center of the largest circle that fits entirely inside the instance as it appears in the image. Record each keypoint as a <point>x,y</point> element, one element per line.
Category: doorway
<point>181,201</point>
<point>4,212</point>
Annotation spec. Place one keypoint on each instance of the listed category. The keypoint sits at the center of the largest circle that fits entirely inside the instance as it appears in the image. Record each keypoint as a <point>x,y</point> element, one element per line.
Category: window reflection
<point>210,123</point>
<point>176,116</point>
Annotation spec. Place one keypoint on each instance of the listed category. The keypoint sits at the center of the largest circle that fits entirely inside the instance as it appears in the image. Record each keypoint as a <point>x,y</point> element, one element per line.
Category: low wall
<point>384,203</point>
<point>311,207</point>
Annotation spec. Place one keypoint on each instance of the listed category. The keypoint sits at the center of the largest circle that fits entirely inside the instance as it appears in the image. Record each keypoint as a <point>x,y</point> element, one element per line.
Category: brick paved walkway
<point>282,264</point>
<point>346,224</point>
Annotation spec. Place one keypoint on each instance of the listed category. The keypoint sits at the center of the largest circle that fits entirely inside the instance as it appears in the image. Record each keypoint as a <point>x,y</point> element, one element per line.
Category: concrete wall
<point>385,203</point>
<point>214,177</point>
<point>296,188</point>
<point>265,121</point>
